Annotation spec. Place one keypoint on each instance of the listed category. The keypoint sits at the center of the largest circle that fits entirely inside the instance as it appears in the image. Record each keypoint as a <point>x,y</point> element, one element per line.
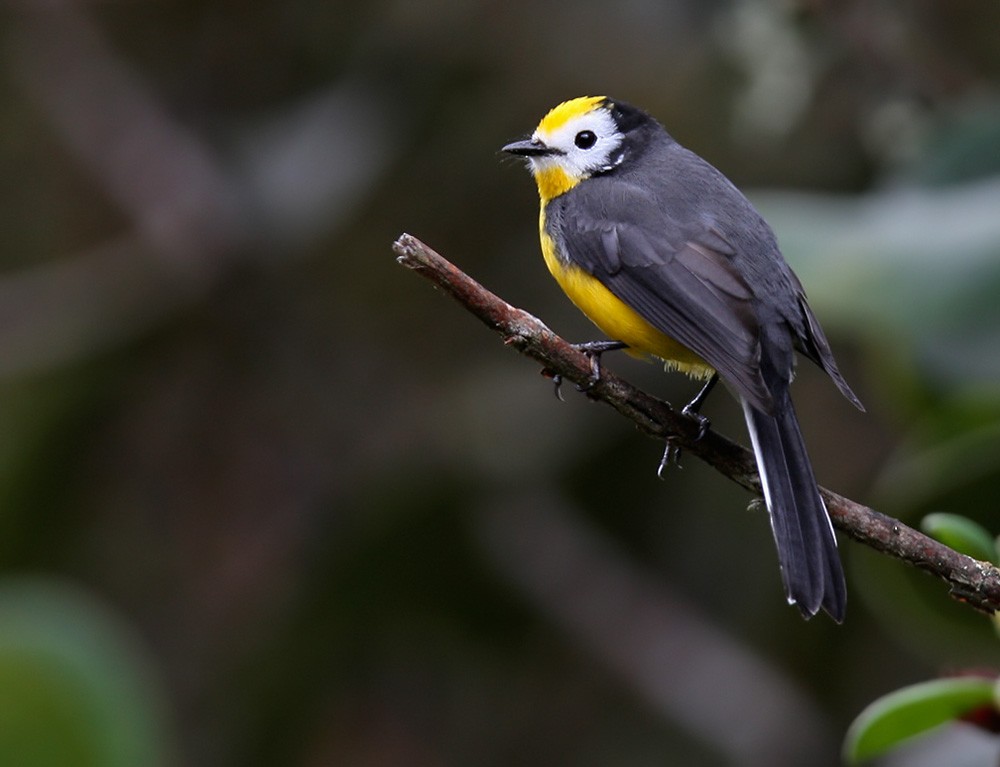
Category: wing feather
<point>679,278</point>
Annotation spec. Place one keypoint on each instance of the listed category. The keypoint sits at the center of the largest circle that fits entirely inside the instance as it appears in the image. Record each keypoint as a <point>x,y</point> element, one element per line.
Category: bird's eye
<point>585,139</point>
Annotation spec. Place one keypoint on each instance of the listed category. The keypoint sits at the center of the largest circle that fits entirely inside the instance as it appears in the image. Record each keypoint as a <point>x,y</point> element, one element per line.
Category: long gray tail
<point>807,548</point>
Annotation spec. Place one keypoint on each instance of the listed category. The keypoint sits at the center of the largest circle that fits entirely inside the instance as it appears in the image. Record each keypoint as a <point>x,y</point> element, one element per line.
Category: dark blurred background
<point>266,498</point>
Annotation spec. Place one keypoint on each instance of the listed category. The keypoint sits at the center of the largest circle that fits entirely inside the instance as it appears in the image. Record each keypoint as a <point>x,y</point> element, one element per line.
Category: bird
<point>671,261</point>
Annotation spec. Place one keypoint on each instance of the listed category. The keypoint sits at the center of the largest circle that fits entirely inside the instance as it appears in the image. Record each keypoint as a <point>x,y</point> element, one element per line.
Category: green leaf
<point>76,686</point>
<point>961,534</point>
<point>912,710</point>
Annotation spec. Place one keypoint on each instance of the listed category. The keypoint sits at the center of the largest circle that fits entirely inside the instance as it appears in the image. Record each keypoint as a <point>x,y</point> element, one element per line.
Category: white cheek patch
<point>578,162</point>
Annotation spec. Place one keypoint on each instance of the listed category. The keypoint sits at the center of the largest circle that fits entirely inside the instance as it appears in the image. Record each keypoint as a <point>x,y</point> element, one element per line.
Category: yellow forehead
<point>562,114</point>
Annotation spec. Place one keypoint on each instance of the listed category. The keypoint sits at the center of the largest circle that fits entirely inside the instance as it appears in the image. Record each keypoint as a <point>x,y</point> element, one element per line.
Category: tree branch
<point>971,581</point>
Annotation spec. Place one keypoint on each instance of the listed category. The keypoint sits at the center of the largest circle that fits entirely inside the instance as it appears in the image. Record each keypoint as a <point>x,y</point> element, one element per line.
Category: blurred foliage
<point>962,534</point>
<point>74,687</point>
<point>337,520</point>
<point>896,719</point>
<point>912,711</point>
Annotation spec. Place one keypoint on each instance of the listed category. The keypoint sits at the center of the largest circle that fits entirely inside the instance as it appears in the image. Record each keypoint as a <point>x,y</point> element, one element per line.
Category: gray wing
<point>680,277</point>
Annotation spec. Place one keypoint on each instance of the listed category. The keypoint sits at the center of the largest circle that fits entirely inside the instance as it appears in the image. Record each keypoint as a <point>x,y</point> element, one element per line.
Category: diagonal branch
<point>971,581</point>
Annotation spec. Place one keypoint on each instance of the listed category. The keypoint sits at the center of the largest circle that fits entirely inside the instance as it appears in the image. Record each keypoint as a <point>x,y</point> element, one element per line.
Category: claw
<point>703,422</point>
<point>671,455</point>
<point>594,350</point>
<point>557,380</point>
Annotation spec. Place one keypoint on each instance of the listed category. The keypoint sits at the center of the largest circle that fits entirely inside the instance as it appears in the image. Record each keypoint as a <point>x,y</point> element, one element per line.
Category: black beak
<point>528,147</point>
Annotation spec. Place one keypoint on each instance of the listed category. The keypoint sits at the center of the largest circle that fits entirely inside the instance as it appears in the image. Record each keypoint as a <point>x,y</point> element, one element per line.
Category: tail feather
<point>807,547</point>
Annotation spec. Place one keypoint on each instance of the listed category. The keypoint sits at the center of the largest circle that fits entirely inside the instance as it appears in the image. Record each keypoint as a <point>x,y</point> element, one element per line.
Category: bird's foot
<point>672,453</point>
<point>593,350</point>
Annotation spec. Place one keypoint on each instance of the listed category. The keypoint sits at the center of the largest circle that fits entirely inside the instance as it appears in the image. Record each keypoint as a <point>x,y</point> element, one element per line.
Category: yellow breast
<point>615,318</point>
